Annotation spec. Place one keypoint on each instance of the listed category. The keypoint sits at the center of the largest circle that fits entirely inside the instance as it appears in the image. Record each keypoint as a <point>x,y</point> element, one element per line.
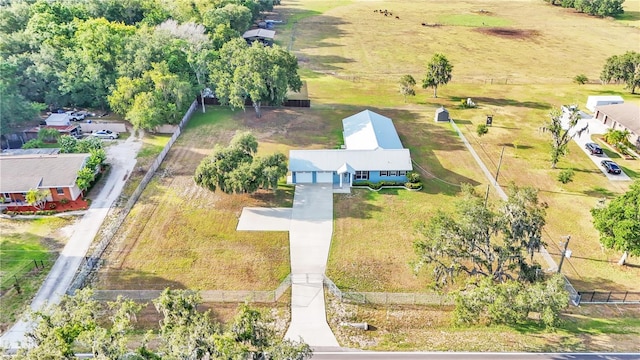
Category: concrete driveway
<point>122,157</point>
<point>593,126</point>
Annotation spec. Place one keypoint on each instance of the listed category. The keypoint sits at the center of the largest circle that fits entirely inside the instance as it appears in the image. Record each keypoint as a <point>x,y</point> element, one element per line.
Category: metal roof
<point>358,160</point>
<point>20,173</point>
<point>262,33</point>
<point>368,130</point>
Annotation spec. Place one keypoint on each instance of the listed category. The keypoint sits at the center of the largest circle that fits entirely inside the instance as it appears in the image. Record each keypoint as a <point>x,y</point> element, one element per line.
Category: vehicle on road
<point>105,134</point>
<point>593,148</point>
<point>611,167</point>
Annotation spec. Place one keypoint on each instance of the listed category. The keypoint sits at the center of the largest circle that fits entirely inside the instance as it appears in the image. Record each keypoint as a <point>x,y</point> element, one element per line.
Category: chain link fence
<point>387,298</point>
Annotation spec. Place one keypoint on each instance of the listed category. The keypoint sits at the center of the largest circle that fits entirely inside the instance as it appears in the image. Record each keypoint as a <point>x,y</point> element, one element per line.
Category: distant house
<point>372,152</point>
<point>599,100</point>
<point>55,173</point>
<point>71,130</point>
<point>263,35</point>
<point>621,117</point>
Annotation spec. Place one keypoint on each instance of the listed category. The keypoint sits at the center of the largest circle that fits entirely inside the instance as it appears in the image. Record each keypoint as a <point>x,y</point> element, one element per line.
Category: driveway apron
<point>310,238</point>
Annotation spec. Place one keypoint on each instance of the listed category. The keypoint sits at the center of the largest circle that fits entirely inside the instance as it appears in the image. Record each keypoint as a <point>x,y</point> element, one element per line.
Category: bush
<point>566,176</point>
<point>580,79</point>
<point>52,206</point>
<point>413,185</point>
<point>413,177</point>
<point>33,144</point>
<point>64,201</point>
<point>482,129</point>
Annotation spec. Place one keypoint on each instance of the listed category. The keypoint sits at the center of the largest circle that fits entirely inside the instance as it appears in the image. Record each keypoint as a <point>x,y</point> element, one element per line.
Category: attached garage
<point>324,177</point>
<point>304,177</point>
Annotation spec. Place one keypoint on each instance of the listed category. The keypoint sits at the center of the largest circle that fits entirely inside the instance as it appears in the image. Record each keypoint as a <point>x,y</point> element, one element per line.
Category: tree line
<point>600,8</point>
<point>144,59</point>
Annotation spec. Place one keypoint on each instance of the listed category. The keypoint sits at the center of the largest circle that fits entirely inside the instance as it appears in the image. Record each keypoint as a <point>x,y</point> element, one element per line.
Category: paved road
<point>122,157</point>
<point>471,356</point>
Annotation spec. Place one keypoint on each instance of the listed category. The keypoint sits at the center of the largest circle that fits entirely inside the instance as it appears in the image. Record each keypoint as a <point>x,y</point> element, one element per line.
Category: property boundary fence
<point>387,298</point>
<point>609,297</point>
<point>222,296</point>
<point>89,262</point>
<point>20,274</point>
<point>247,102</point>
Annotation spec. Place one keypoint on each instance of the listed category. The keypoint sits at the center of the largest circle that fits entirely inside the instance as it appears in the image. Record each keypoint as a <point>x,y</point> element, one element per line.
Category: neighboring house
<point>56,173</point>
<point>71,130</point>
<point>594,101</point>
<point>262,35</point>
<point>621,117</point>
<point>372,152</point>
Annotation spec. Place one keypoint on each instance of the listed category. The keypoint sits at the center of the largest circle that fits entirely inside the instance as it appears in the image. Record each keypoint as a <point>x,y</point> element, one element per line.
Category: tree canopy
<point>185,332</point>
<point>235,169</point>
<point>407,82</point>
<point>255,72</point>
<point>479,241</point>
<point>600,8</point>
<point>438,73</point>
<point>561,133</point>
<point>619,222</point>
<point>623,68</point>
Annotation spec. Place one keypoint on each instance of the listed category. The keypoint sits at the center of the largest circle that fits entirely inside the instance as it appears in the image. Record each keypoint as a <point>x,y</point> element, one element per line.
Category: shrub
<point>33,144</point>
<point>52,206</point>
<point>413,177</point>
<point>580,79</point>
<point>64,201</point>
<point>566,176</point>
<point>413,185</point>
<point>482,129</point>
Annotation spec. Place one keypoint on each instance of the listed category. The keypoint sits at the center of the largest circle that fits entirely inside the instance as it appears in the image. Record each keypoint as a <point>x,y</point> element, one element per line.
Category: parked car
<point>76,115</point>
<point>593,148</point>
<point>105,134</point>
<point>611,167</point>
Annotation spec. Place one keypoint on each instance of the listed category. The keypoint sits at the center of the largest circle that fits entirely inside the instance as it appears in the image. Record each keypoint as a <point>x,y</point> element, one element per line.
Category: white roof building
<point>598,100</point>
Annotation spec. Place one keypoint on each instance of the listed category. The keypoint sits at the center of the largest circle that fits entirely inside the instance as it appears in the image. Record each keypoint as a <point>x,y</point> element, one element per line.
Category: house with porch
<point>624,116</point>
<point>372,152</point>
<point>55,173</point>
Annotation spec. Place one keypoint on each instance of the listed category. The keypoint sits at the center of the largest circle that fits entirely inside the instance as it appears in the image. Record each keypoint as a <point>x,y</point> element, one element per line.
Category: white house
<point>373,152</point>
<point>599,100</point>
<point>621,117</point>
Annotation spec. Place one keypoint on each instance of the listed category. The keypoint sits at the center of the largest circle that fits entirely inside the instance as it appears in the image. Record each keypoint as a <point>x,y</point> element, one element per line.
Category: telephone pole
<point>564,251</point>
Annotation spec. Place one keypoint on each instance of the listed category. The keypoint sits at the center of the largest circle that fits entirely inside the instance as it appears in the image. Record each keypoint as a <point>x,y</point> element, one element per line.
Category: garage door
<point>303,177</point>
<point>325,177</point>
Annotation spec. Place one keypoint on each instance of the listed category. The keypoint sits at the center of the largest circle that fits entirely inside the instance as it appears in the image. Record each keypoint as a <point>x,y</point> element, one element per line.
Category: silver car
<point>105,134</point>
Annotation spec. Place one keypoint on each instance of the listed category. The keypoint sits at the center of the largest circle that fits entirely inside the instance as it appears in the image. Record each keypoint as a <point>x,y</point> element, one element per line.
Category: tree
<point>482,129</point>
<point>438,73</point>
<point>407,82</point>
<point>67,144</point>
<point>16,109</point>
<point>37,198</point>
<point>257,72</point>
<point>619,223</point>
<point>619,139</point>
<point>234,169</point>
<point>623,68</point>
<point>600,8</point>
<point>479,241</point>
<point>561,135</point>
<point>580,79</point>
<point>511,302</point>
<point>48,135</point>
<point>85,177</point>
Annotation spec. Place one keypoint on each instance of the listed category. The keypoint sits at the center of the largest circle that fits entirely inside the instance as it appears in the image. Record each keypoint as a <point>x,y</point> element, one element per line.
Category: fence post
<point>625,296</point>
<point>609,297</point>
<point>36,263</point>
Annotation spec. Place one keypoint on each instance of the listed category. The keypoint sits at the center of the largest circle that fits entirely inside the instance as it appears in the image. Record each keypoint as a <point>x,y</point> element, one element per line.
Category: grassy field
<point>406,328</point>
<point>516,60</point>
<point>22,243</point>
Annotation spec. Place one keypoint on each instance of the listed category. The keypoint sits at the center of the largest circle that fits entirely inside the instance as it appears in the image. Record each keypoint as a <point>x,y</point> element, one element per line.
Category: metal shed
<point>441,114</point>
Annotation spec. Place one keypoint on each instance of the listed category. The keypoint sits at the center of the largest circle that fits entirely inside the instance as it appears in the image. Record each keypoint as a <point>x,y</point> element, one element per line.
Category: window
<point>384,173</point>
<point>362,175</point>
<point>402,173</point>
<point>60,191</point>
<point>393,173</point>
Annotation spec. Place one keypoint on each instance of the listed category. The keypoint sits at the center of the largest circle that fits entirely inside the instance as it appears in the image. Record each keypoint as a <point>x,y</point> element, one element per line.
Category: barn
<point>372,152</point>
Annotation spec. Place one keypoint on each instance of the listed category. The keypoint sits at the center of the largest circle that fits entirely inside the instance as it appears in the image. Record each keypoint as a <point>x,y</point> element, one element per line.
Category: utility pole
<point>564,251</point>
<point>499,164</point>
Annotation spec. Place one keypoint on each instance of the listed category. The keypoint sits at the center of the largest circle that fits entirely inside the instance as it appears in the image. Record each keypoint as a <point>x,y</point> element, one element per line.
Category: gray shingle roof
<point>626,114</point>
<point>20,173</point>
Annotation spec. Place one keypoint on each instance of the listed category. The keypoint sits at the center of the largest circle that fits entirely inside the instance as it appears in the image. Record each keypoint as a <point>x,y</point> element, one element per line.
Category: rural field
<point>515,59</point>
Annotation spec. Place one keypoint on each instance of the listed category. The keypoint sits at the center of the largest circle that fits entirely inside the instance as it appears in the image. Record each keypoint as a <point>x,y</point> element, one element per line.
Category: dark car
<point>611,167</point>
<point>593,148</point>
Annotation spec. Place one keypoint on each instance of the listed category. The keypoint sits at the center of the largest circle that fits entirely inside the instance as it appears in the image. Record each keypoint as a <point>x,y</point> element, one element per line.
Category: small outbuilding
<point>442,114</point>
<point>263,35</point>
<point>599,100</point>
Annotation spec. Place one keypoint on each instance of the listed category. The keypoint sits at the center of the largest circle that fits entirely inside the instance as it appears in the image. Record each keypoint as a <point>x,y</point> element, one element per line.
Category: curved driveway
<point>122,157</point>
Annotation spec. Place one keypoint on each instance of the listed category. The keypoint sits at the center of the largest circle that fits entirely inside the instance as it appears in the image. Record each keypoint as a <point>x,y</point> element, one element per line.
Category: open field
<point>22,243</point>
<point>516,66</point>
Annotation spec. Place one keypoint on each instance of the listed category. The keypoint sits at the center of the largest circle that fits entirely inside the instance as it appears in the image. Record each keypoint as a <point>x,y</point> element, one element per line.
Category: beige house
<point>621,117</point>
